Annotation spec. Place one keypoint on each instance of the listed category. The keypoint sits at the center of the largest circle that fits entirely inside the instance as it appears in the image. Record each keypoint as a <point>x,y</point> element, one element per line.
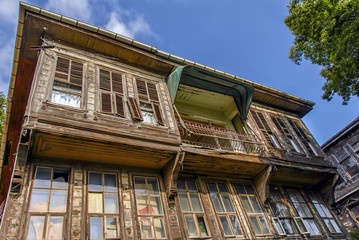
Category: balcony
<point>211,137</point>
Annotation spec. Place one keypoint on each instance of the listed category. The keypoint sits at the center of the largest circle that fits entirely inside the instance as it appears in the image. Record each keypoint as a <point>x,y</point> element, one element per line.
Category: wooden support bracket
<point>261,182</point>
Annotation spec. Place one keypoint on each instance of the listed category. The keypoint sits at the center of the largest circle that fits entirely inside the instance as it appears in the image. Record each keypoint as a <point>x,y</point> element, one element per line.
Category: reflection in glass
<point>142,208</point>
<point>95,183</point>
<point>96,228</point>
<point>155,205</point>
<point>226,228</point>
<point>217,202</point>
<point>140,185</point>
<point>36,228</point>
<point>235,225</point>
<point>110,183</point>
<point>43,177</point>
<point>184,202</point>
<point>54,231</point>
<point>58,201</point>
<point>39,200</point>
<point>146,228</point>
<point>196,202</point>
<point>159,228</point>
<point>227,202</point>
<point>153,186</point>
<point>111,203</point>
<point>111,227</point>
<point>256,225</point>
<point>191,226</point>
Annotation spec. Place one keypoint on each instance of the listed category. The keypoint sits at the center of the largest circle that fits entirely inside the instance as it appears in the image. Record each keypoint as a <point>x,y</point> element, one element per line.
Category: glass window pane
<point>95,183</point>
<point>312,227</point>
<point>300,223</point>
<point>196,202</point>
<point>43,178</point>
<point>39,200</point>
<point>159,228</point>
<point>212,187</point>
<point>146,231</point>
<point>36,228</point>
<point>111,227</point>
<point>140,185</point>
<point>278,226</point>
<point>68,99</point>
<point>257,208</point>
<point>155,206</point>
<point>264,225</point>
<point>153,186</point>
<point>246,204</point>
<point>181,185</point>
<point>191,226</point>
<point>111,203</point>
<point>60,178</point>
<point>191,185</point>
<point>142,207</point>
<point>183,197</point>
<point>222,188</point>
<point>95,203</point>
<point>335,225</point>
<point>227,202</point>
<point>256,226</point>
<point>202,226</point>
<point>320,210</point>
<point>96,229</point>
<point>288,226</point>
<point>110,183</point>
<point>249,189</point>
<point>54,231</point>
<point>217,202</point>
<point>225,225</point>
<point>326,211</point>
<point>58,201</point>
<point>240,189</point>
<point>235,225</point>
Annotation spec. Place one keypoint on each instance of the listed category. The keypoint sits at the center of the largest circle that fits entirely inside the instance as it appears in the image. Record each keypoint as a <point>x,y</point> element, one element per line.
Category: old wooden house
<point>343,151</point>
<point>109,138</point>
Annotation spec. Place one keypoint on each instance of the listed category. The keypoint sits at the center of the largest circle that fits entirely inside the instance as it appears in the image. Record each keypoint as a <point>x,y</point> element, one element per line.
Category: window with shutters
<point>148,107</point>
<point>111,92</point>
<point>286,134</point>
<point>103,206</point>
<point>253,209</point>
<point>303,137</point>
<point>68,82</point>
<point>191,207</point>
<point>225,211</point>
<point>48,204</point>
<point>265,129</point>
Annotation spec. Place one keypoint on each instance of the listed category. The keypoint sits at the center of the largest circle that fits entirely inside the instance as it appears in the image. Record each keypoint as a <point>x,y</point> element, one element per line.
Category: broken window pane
<point>60,178</point>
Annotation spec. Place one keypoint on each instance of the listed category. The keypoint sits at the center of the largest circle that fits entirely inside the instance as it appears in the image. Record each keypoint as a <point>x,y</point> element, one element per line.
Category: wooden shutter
<point>152,92</point>
<point>106,102</point>
<point>281,126</point>
<point>263,126</point>
<point>62,69</point>
<point>301,134</point>
<point>76,73</point>
<point>141,89</point>
<point>119,106</point>
<point>157,111</point>
<point>117,82</point>
<point>135,109</point>
<point>105,81</point>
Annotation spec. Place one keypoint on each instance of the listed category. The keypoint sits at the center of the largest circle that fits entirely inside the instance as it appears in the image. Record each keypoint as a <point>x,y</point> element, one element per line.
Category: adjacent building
<point>109,138</point>
<point>343,151</point>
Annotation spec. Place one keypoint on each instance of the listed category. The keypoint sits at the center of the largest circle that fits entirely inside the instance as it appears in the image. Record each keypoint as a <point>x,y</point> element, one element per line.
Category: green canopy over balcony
<point>206,80</point>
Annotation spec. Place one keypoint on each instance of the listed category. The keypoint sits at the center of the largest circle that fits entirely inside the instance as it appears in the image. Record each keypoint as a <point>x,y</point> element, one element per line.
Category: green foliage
<point>2,112</point>
<point>327,33</point>
<point>354,234</point>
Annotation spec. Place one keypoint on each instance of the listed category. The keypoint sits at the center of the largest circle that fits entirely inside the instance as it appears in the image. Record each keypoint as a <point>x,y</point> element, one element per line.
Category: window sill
<point>46,104</point>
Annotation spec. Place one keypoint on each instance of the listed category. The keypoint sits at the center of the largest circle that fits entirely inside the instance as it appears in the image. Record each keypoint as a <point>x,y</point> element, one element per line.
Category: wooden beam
<point>261,182</point>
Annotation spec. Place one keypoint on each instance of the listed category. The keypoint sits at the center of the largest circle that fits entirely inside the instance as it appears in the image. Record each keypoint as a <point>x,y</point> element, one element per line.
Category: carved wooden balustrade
<point>207,136</point>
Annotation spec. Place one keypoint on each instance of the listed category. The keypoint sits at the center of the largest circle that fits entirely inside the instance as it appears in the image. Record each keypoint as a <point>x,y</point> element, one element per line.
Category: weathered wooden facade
<point>110,138</point>
<point>343,151</point>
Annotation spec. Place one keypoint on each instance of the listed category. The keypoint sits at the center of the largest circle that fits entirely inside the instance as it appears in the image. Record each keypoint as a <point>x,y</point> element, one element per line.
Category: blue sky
<point>245,38</point>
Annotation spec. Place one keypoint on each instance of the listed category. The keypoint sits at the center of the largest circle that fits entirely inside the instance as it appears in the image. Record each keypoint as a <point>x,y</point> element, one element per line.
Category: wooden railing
<point>207,136</point>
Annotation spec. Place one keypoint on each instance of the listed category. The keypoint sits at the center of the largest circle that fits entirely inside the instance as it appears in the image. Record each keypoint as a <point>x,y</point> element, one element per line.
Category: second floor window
<point>192,209</point>
<point>265,129</point>
<point>48,204</point>
<point>67,87</point>
<point>350,166</point>
<point>111,93</point>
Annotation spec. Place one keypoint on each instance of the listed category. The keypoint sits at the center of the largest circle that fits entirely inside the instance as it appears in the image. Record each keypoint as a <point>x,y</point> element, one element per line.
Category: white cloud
<point>78,9</point>
<point>9,10</point>
<point>6,56</point>
<point>128,24</point>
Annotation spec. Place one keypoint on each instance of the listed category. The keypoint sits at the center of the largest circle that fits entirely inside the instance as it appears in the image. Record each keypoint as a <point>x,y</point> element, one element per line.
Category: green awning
<point>199,78</point>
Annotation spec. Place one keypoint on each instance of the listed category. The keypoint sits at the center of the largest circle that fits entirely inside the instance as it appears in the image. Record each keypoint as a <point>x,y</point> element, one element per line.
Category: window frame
<point>151,216</point>
<point>346,170</point>
<point>195,214</point>
<point>255,214</point>
<point>103,215</point>
<point>66,90</point>
<point>226,213</point>
<point>48,214</point>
